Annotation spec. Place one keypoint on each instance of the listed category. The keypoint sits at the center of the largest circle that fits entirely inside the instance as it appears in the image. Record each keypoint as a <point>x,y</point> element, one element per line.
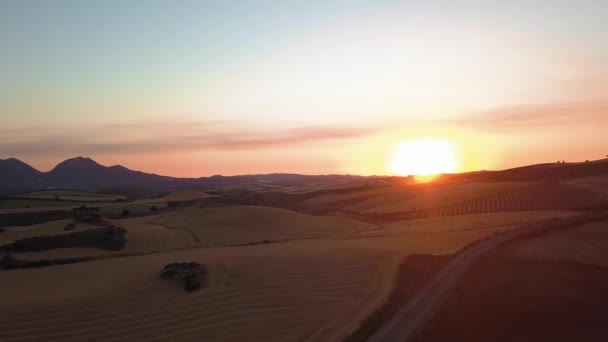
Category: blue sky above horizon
<point>238,87</point>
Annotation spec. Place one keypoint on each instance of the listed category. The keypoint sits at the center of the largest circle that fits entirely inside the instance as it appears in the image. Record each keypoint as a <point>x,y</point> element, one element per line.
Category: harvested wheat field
<point>251,224</point>
<point>143,236</point>
<point>260,295</point>
<point>316,288</point>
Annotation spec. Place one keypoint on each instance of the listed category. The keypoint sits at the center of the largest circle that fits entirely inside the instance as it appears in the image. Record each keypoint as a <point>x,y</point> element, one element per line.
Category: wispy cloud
<point>537,116</point>
<point>166,136</point>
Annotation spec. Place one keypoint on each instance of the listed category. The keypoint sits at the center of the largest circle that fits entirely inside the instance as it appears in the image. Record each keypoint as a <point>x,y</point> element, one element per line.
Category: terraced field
<point>399,198</point>
<point>546,196</point>
<point>598,183</point>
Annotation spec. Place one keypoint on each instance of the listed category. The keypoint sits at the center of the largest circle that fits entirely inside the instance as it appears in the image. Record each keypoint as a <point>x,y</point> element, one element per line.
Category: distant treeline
<point>110,238</point>
<point>31,218</point>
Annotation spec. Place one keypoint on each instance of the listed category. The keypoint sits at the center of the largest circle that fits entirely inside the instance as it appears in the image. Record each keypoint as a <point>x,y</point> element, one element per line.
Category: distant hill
<point>86,174</point>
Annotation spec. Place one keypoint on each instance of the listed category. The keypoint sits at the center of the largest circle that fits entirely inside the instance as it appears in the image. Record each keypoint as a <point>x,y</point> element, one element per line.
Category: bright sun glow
<point>424,157</point>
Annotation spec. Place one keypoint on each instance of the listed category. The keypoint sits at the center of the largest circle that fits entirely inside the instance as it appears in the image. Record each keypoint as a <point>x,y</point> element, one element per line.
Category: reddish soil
<point>509,299</point>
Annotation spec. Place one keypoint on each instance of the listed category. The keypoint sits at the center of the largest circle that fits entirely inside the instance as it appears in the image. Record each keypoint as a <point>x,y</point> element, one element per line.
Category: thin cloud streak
<point>536,116</point>
<point>167,137</point>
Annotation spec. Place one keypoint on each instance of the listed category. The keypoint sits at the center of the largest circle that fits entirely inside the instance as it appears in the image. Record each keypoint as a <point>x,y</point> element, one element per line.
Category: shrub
<point>8,262</point>
<point>69,226</point>
<point>153,208</point>
<point>125,212</point>
<point>2,230</point>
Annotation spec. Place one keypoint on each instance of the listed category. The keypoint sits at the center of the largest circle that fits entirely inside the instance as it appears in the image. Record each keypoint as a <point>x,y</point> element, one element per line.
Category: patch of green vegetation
<point>36,203</point>
<point>69,195</point>
<point>110,238</point>
<point>64,192</point>
<point>8,262</point>
<point>132,208</point>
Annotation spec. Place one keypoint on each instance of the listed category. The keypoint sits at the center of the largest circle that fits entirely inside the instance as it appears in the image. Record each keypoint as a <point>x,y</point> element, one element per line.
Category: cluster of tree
<point>8,262</point>
<point>111,238</point>
<point>86,214</point>
<point>190,274</point>
<point>30,218</point>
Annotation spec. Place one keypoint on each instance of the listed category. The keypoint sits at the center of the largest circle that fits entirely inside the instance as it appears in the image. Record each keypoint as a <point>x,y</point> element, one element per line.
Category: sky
<point>197,88</point>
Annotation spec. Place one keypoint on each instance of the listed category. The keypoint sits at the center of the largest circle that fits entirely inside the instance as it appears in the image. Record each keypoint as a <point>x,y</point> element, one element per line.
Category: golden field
<point>273,274</point>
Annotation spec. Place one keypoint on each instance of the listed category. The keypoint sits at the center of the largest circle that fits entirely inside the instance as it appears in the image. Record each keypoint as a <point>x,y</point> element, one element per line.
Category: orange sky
<point>202,89</point>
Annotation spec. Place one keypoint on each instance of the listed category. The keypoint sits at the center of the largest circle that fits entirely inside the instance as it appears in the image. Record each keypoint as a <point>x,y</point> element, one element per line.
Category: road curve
<point>420,307</point>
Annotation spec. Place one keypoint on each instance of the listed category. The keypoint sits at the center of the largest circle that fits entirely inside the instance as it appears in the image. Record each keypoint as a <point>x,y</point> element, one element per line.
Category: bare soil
<point>508,298</point>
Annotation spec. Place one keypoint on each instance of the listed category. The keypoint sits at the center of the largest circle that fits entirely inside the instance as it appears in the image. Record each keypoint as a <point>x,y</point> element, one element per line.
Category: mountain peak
<point>78,162</point>
<point>14,161</point>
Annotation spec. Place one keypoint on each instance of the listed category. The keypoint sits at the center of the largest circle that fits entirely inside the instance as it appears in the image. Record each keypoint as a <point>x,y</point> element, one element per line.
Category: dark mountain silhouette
<point>15,174</point>
<point>78,173</point>
<point>86,174</point>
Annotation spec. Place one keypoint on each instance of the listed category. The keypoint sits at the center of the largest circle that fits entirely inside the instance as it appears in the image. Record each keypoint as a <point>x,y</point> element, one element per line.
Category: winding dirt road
<point>419,308</point>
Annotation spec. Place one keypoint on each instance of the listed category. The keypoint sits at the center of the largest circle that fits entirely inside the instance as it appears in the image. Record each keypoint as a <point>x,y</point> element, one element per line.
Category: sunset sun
<point>424,157</point>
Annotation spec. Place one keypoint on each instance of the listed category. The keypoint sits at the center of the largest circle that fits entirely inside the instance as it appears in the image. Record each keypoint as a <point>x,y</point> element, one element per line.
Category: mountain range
<point>86,174</point>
